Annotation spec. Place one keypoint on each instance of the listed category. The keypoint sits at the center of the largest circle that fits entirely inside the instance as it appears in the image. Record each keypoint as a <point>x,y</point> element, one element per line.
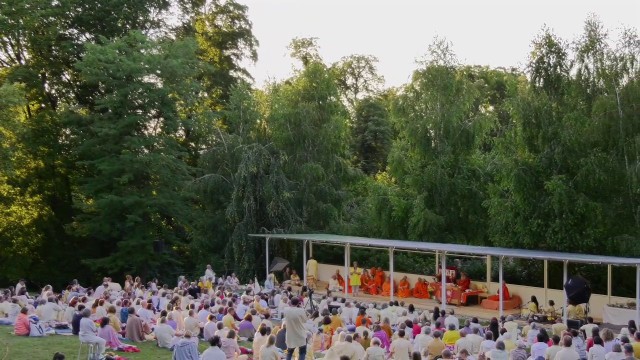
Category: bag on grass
<point>36,330</point>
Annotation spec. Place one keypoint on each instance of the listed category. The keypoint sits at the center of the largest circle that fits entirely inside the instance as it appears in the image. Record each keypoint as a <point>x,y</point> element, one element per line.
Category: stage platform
<point>425,304</point>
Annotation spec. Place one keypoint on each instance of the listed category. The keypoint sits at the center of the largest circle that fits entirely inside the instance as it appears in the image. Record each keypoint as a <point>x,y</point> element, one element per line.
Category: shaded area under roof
<point>457,248</point>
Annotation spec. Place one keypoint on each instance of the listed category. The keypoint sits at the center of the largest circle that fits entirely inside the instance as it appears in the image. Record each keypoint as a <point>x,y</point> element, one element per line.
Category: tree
<point>134,174</point>
<point>357,78</point>
<point>372,135</point>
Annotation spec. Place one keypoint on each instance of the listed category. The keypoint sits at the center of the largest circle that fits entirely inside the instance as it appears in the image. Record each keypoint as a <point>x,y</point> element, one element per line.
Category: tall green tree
<point>134,174</point>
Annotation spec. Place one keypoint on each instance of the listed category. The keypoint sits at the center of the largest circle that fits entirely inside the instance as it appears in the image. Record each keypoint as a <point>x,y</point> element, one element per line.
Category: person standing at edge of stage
<point>354,277</point>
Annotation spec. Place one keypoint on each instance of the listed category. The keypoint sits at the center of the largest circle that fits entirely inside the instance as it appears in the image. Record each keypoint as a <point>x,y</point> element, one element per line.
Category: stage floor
<point>427,304</point>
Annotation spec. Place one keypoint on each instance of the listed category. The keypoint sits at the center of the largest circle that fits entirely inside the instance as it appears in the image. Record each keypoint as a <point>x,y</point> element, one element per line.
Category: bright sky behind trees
<point>488,32</point>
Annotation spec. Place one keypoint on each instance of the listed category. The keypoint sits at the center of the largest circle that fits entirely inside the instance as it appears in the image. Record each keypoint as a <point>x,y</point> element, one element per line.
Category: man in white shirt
<point>210,275</point>
<point>463,343</point>
<point>511,326</point>
<point>373,313</point>
<point>347,314</point>
<point>451,319</point>
<point>164,334</point>
<point>422,340</point>
<point>243,307</point>
<point>588,327</point>
<point>539,349</point>
<point>50,310</point>
<point>550,353</point>
<point>567,352</point>
<point>89,333</point>
<point>192,325</point>
<point>101,289</point>
<point>296,335</point>
<point>362,327</point>
<point>475,339</point>
<point>19,286</point>
<point>401,348</point>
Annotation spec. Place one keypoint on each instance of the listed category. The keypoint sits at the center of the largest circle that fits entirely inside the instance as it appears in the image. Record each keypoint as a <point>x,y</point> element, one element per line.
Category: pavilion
<point>442,250</point>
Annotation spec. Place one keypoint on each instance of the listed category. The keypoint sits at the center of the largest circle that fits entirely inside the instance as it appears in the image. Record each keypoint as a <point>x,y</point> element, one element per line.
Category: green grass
<point>19,347</point>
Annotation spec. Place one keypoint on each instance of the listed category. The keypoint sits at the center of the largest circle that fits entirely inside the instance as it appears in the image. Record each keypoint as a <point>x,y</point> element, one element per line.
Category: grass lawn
<point>20,347</point>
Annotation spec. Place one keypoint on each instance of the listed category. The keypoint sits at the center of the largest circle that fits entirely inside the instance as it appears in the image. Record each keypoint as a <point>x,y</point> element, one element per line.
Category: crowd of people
<point>279,322</point>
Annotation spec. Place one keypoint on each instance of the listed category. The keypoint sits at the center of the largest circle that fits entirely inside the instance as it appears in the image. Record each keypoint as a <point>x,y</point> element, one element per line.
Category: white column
<point>346,280</point>
<point>501,298</point>
<point>489,273</point>
<point>391,273</point>
<point>346,271</point>
<point>609,278</point>
<point>546,281</point>
<point>267,257</point>
<point>304,262</point>
<point>637,294</point>
<point>443,281</point>
<point>564,292</point>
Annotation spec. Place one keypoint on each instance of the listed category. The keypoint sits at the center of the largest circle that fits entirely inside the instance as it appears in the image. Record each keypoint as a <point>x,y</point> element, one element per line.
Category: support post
<point>489,273</point>
<point>501,293</point>
<point>304,262</point>
<point>609,278</point>
<point>637,294</point>
<point>346,271</point>
<point>443,281</point>
<point>546,282</point>
<point>310,249</point>
<point>267,257</point>
<point>437,261</point>
<point>565,265</point>
<point>391,273</point>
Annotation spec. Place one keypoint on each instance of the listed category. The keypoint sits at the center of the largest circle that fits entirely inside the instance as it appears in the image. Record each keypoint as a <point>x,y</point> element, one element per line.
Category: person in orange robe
<point>421,290</point>
<point>379,279</point>
<point>505,292</point>
<point>404,288</point>
<point>365,279</point>
<point>386,287</point>
<point>340,278</point>
<point>464,283</point>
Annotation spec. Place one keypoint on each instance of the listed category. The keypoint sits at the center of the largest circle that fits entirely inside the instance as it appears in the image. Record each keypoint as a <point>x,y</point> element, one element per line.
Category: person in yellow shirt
<point>575,311</point>
<point>336,320</point>
<point>451,335</point>
<point>354,278</point>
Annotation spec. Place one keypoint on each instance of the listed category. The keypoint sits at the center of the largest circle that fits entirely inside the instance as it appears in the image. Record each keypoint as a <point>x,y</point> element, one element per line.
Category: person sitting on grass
<point>58,356</point>
<point>214,352</point>
<point>186,349</point>
<point>22,326</point>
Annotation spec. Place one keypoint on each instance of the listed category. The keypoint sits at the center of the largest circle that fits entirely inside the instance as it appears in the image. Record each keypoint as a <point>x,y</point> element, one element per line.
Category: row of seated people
<point>375,282</point>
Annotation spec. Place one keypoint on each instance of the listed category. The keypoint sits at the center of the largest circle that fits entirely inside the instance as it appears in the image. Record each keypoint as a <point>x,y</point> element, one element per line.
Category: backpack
<point>35,329</point>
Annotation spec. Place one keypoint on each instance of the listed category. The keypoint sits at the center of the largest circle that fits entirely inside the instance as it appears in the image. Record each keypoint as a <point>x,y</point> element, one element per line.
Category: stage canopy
<point>443,250</point>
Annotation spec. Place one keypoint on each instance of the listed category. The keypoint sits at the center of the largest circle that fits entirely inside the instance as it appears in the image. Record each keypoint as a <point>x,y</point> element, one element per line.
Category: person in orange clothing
<point>421,290</point>
<point>340,279</point>
<point>365,279</point>
<point>379,278</point>
<point>464,283</point>
<point>505,292</point>
<point>363,315</point>
<point>404,288</point>
<point>386,287</point>
<point>372,288</point>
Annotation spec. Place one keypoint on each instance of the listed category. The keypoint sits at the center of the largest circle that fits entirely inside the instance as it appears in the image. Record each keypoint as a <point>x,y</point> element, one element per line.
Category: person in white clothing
<point>268,350</point>
<point>213,352</point>
<point>597,351</point>
<point>89,333</point>
<point>401,348</point>
<point>375,352</point>
<point>451,319</point>
<point>296,335</point>
<point>422,340</point>
<point>164,333</point>
<point>567,352</point>
<point>615,353</point>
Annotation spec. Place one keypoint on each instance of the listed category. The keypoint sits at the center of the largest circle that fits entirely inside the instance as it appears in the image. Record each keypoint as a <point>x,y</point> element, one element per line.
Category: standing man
<point>312,272</point>
<point>210,275</point>
<point>354,277</point>
<point>296,335</point>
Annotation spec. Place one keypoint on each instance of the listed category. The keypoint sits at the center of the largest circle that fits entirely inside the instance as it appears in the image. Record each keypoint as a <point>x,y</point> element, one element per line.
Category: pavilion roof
<point>456,248</point>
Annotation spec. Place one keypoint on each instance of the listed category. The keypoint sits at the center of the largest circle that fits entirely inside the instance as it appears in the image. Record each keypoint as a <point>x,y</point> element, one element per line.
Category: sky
<point>483,32</point>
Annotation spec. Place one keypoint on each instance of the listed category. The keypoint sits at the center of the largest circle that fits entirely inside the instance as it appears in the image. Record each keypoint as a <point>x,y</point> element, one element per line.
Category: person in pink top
<point>22,326</point>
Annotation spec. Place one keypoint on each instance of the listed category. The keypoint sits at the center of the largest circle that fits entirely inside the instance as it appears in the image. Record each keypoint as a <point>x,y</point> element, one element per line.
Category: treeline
<point>133,142</point>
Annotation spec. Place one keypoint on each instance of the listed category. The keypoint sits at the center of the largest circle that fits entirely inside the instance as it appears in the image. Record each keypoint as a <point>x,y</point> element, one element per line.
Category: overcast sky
<point>483,32</point>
